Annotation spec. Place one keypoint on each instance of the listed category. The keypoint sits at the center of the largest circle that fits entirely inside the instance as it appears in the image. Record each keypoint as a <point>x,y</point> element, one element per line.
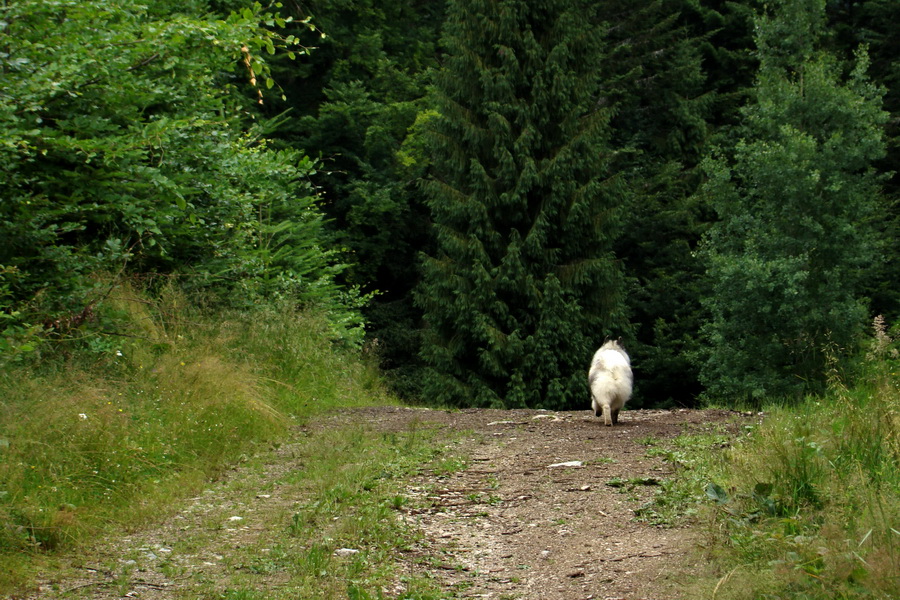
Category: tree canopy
<point>481,190</point>
<point>129,143</point>
<point>796,196</point>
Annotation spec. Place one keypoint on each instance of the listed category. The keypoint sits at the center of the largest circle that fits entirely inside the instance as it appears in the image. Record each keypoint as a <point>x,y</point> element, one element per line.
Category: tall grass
<point>809,507</point>
<point>110,433</point>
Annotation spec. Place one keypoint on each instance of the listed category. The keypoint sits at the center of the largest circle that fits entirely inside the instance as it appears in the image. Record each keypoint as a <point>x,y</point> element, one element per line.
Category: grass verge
<point>109,435</point>
<point>345,537</point>
<point>692,456</point>
<point>808,506</point>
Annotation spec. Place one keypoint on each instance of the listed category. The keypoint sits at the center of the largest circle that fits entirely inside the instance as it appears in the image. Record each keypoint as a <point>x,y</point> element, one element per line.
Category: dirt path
<point>530,515</point>
<point>520,523</point>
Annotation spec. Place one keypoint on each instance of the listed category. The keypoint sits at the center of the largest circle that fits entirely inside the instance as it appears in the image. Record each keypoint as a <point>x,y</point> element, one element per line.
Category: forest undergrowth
<point>808,506</point>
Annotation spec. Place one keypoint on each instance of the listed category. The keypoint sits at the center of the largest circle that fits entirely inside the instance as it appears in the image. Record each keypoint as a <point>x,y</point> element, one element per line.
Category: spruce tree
<point>796,198</point>
<point>523,285</point>
<point>654,72</point>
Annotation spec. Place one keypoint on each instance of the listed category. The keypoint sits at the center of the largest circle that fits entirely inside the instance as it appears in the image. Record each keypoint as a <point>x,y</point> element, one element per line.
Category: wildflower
<point>118,353</point>
<point>82,416</point>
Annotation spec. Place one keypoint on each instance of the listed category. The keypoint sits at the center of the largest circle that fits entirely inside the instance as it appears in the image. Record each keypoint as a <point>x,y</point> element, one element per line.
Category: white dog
<point>611,380</point>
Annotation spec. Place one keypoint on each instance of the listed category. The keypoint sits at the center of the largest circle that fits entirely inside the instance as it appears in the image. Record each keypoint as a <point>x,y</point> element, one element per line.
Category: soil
<point>537,511</point>
<point>534,516</point>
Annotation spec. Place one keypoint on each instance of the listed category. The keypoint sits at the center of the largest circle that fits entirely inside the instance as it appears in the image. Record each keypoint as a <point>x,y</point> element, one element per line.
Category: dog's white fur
<point>611,381</point>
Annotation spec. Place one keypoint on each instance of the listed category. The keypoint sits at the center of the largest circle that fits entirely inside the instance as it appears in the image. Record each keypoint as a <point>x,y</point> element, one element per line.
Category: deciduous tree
<point>127,145</point>
<point>796,198</point>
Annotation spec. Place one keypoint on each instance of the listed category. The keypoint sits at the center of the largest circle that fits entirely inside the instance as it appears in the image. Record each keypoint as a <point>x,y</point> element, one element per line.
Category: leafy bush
<point>796,199</point>
<point>129,146</point>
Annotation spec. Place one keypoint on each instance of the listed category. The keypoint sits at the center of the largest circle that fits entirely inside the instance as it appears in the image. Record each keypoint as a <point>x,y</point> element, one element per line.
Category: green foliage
<point>869,23</point>
<point>692,456</point>
<point>796,198</point>
<point>126,147</point>
<point>18,339</point>
<point>522,286</point>
<point>725,30</point>
<point>807,506</point>
<point>359,99</point>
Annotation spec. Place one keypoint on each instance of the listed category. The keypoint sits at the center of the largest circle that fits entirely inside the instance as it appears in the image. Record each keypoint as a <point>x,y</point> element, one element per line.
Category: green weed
<point>694,456</point>
<point>243,594</point>
<point>449,465</point>
<point>809,505</point>
<point>648,440</point>
<point>346,537</point>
